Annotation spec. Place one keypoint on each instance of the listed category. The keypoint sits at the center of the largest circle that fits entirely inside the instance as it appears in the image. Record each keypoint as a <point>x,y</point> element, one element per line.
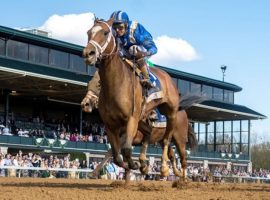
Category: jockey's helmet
<point>120,17</point>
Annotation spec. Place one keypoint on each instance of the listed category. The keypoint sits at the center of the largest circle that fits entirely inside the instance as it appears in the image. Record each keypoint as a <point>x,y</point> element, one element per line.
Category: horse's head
<point>101,41</point>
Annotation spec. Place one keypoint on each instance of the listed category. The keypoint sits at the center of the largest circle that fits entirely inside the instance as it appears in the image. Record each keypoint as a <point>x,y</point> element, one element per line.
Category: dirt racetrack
<point>36,188</point>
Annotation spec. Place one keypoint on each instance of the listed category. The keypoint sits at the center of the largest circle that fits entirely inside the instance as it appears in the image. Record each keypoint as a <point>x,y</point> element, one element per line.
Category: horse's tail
<point>189,100</point>
<point>192,141</point>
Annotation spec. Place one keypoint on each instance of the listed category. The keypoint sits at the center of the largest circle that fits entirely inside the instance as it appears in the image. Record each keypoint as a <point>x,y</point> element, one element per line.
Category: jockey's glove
<point>138,51</point>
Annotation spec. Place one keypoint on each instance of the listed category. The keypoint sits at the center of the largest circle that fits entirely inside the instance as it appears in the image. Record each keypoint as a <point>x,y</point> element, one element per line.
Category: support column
<point>4,150</point>
<point>87,156</point>
<point>80,121</point>
<point>249,146</point>
<point>6,111</point>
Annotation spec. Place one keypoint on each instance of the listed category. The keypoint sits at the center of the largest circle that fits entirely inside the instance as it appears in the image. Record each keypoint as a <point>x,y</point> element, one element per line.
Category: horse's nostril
<point>91,53</point>
<point>87,104</point>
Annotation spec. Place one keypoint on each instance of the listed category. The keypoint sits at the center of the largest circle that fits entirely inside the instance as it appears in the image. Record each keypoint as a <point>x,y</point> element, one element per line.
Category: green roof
<point>44,70</point>
<point>40,40</point>
<point>77,49</point>
<point>233,107</point>
<point>200,79</point>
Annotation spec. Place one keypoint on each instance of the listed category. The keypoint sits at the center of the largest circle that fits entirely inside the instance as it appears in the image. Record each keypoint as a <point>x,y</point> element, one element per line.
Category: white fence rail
<point>240,179</point>
<point>18,171</point>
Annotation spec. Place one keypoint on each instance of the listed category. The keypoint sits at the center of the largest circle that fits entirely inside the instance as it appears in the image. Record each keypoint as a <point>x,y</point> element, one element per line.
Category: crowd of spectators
<point>199,172</point>
<point>91,132</point>
<point>37,160</point>
<point>109,171</point>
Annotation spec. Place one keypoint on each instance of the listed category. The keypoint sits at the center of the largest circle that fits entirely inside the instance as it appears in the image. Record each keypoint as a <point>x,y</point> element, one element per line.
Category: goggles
<point>119,27</point>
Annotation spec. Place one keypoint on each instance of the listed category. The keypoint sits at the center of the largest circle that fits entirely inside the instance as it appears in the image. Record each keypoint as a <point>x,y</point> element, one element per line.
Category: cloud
<point>173,51</point>
<point>73,27</point>
<point>70,28</point>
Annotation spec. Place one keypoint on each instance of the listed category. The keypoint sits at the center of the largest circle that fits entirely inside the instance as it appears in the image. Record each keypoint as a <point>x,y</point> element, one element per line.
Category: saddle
<point>149,93</point>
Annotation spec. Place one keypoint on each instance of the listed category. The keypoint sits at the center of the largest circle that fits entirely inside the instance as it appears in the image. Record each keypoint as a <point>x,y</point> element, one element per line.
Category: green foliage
<point>260,155</point>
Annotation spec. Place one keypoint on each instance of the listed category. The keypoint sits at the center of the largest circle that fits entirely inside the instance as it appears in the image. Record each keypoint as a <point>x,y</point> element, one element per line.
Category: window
<point>18,50</point>
<point>219,132</point>
<point>207,91</point>
<point>236,126</point>
<point>58,58</point>
<point>227,132</point>
<point>228,96</point>
<point>210,138</point>
<point>196,130</point>
<point>218,94</point>
<point>183,87</point>
<point>236,137</point>
<point>244,137</point>
<point>38,54</point>
<point>244,125</point>
<point>76,63</point>
<point>174,80</point>
<point>244,149</point>
<point>195,88</point>
<point>91,70</point>
<point>202,128</point>
<point>2,46</point>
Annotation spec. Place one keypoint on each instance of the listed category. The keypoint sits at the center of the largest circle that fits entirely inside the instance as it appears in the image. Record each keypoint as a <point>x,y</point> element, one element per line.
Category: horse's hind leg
<point>171,121</point>
<point>143,168</point>
<point>172,158</point>
<point>181,147</point>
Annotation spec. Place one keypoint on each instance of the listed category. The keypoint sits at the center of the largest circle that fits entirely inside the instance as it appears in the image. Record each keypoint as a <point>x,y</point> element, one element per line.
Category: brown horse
<point>121,103</point>
<point>182,134</point>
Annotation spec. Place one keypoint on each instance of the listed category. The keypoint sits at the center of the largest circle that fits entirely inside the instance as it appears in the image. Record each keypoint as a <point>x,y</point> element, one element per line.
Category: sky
<point>193,36</point>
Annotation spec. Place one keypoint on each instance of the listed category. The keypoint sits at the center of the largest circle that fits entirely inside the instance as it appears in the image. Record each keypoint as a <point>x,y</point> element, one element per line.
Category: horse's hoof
<point>177,173</point>
<point>144,170</point>
<point>164,171</point>
<point>137,165</point>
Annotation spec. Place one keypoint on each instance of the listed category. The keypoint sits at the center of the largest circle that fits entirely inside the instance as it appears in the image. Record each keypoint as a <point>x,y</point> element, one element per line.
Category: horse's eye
<point>106,33</point>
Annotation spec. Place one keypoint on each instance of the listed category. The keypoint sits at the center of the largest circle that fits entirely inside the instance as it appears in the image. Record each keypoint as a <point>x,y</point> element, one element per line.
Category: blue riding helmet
<point>120,17</point>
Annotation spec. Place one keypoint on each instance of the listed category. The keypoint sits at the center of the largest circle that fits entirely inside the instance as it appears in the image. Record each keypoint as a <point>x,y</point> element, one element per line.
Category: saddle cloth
<point>155,92</point>
<point>157,120</point>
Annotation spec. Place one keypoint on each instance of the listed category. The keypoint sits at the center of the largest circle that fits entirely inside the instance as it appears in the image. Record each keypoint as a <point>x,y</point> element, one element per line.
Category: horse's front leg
<point>89,102</point>
<point>114,140</point>
<point>127,139</point>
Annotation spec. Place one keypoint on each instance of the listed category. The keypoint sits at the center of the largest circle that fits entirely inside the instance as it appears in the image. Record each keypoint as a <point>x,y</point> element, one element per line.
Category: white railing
<point>240,179</point>
<point>18,171</point>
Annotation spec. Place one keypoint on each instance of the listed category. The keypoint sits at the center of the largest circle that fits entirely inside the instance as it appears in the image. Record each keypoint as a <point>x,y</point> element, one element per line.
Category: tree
<point>260,155</point>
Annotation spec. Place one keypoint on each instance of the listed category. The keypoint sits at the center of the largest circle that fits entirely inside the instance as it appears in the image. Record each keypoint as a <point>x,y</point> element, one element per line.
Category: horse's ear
<point>110,21</point>
<point>95,18</point>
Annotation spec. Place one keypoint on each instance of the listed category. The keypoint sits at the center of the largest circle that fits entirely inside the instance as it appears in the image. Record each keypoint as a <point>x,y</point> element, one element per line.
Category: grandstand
<point>43,80</point>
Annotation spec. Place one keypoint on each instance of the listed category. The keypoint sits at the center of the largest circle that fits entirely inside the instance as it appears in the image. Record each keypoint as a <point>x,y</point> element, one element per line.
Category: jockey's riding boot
<point>146,78</point>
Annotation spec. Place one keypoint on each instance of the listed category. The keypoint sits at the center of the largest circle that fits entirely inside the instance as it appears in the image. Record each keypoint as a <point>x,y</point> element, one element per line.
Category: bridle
<point>101,48</point>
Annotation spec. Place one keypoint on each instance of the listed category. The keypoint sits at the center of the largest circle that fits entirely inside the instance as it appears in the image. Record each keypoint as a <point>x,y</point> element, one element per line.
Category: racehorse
<point>121,102</point>
<point>183,133</point>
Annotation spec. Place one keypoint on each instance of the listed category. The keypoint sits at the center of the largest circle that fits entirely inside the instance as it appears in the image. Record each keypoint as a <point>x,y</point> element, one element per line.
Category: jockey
<point>135,41</point>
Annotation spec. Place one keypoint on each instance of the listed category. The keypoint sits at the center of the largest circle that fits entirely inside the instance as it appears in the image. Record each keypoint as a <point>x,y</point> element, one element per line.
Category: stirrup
<point>147,83</point>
